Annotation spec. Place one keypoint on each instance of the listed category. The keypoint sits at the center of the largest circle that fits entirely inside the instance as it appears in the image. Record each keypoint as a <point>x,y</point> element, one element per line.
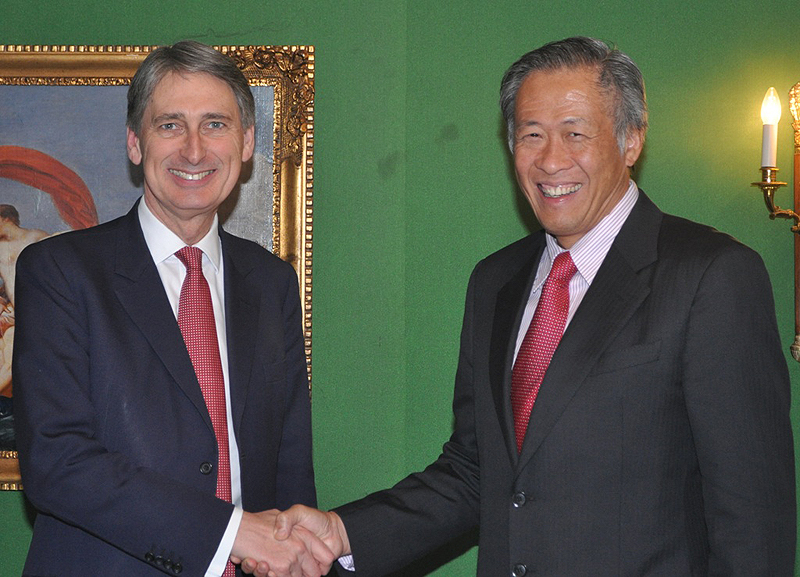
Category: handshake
<point>299,542</point>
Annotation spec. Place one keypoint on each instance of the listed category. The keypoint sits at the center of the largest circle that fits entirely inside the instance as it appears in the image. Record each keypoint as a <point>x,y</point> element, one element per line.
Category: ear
<point>134,148</point>
<point>249,143</point>
<point>633,147</point>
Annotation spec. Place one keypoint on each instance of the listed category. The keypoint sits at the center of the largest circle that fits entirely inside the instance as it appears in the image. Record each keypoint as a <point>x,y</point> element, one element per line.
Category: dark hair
<point>186,56</point>
<point>9,212</point>
<point>618,76</point>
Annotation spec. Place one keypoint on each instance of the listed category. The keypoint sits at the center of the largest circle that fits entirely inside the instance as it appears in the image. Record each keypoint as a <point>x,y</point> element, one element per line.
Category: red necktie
<point>196,321</point>
<point>540,342</point>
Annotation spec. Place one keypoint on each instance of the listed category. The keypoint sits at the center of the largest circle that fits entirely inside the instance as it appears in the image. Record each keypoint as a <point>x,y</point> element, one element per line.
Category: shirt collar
<point>163,243</point>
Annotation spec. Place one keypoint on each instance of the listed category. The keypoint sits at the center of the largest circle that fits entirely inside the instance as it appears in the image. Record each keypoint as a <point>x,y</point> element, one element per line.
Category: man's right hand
<point>326,526</point>
<point>301,554</point>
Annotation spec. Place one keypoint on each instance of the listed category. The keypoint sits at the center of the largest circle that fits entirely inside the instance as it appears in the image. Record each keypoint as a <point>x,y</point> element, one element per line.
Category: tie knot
<point>563,268</point>
<point>191,257</point>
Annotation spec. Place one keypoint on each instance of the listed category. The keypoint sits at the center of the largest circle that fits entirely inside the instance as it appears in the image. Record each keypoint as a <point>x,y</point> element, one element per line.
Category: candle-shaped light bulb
<point>770,115</point>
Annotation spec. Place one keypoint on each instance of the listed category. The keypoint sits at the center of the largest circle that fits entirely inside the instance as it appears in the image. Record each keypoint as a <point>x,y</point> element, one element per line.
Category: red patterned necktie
<point>197,324</point>
<point>540,342</point>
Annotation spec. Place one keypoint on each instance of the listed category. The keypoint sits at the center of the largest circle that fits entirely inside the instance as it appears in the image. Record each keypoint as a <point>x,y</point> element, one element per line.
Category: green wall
<point>412,180</point>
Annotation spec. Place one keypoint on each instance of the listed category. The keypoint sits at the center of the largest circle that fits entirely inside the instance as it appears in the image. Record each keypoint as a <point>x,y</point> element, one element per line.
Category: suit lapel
<point>616,293</point>
<point>241,322</point>
<point>509,308</point>
<point>141,293</point>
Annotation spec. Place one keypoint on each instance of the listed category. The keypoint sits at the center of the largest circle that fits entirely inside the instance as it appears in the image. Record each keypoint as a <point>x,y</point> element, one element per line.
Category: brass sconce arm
<point>768,185</point>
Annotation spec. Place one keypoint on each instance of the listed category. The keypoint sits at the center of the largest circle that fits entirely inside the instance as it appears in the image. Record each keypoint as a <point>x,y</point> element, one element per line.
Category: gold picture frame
<point>285,74</point>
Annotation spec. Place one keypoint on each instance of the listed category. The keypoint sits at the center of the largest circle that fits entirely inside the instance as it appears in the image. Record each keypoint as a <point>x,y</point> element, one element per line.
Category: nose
<point>553,157</point>
<point>194,149</point>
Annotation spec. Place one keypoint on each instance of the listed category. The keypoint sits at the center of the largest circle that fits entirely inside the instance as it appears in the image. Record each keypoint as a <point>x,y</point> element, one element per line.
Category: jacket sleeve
<point>736,388</point>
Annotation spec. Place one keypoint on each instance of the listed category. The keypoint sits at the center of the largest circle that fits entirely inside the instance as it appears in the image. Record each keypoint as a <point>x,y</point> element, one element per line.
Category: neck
<point>190,229</point>
<point>190,232</point>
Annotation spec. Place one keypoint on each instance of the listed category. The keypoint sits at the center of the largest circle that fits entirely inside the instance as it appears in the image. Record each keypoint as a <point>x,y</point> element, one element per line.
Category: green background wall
<point>413,183</point>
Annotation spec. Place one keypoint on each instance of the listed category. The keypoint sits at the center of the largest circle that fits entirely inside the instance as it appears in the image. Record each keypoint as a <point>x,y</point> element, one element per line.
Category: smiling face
<point>191,148</point>
<point>566,156</point>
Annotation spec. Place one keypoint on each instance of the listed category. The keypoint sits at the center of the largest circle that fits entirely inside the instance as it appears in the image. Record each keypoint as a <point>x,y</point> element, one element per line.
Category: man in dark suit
<point>143,451</point>
<point>659,442</point>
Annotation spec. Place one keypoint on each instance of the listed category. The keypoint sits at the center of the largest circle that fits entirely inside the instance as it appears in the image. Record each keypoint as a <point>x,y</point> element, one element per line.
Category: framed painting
<point>63,165</point>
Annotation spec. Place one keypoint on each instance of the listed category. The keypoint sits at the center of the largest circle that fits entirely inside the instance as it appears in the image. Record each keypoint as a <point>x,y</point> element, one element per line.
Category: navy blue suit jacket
<point>112,429</point>
<point>660,442</point>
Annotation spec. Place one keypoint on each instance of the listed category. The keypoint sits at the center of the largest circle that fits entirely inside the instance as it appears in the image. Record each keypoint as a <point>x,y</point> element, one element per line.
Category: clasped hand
<point>300,542</point>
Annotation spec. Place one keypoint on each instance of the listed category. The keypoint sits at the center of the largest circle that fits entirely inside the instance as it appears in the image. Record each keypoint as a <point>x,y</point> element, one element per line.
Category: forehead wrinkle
<point>576,121</point>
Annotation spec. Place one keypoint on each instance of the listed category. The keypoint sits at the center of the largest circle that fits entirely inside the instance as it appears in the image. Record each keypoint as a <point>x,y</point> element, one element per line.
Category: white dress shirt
<point>163,244</point>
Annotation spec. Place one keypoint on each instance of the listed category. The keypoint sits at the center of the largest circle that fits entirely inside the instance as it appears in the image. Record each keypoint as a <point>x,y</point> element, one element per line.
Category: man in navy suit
<point>659,442</point>
<point>117,449</point>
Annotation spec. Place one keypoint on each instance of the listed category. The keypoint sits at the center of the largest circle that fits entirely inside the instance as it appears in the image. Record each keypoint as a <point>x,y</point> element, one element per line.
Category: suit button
<point>177,568</point>
<point>206,468</point>
<point>149,557</point>
<point>519,570</point>
<point>159,560</point>
<point>519,499</point>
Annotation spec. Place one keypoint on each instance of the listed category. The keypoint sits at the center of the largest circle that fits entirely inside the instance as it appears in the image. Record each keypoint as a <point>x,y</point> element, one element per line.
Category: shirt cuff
<point>223,553</point>
<point>346,561</point>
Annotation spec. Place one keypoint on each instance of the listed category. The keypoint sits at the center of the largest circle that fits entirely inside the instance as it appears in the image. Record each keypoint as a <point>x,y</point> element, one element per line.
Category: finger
<point>302,562</point>
<point>285,561</point>
<point>262,570</point>
<point>257,569</point>
<point>284,523</point>
<point>318,548</point>
<point>308,563</point>
<point>294,570</point>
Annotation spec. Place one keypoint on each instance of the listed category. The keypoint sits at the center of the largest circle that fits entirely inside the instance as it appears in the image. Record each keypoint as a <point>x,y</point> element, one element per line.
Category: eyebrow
<point>181,116</point>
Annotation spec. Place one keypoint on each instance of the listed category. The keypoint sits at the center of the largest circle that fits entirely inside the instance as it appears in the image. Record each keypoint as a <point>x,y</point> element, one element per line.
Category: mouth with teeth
<point>190,175</point>
<point>558,191</point>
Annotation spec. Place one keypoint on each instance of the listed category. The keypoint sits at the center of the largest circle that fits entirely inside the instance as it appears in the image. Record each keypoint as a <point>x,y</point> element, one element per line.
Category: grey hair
<point>184,57</point>
<point>618,76</point>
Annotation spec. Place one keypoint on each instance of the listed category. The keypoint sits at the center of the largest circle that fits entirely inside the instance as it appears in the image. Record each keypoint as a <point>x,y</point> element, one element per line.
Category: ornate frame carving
<point>288,69</point>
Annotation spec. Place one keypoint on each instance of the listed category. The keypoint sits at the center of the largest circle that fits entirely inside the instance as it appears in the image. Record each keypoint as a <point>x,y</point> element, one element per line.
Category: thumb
<point>284,523</point>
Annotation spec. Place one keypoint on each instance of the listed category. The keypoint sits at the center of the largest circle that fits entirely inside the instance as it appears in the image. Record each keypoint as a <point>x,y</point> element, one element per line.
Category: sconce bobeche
<point>769,184</point>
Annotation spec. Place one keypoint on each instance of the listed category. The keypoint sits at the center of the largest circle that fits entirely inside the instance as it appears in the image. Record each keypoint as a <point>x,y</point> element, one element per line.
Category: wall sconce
<point>770,115</point>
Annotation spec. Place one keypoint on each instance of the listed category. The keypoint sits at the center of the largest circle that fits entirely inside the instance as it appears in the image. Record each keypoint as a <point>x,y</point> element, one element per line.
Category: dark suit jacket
<point>660,441</point>
<point>112,428</point>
